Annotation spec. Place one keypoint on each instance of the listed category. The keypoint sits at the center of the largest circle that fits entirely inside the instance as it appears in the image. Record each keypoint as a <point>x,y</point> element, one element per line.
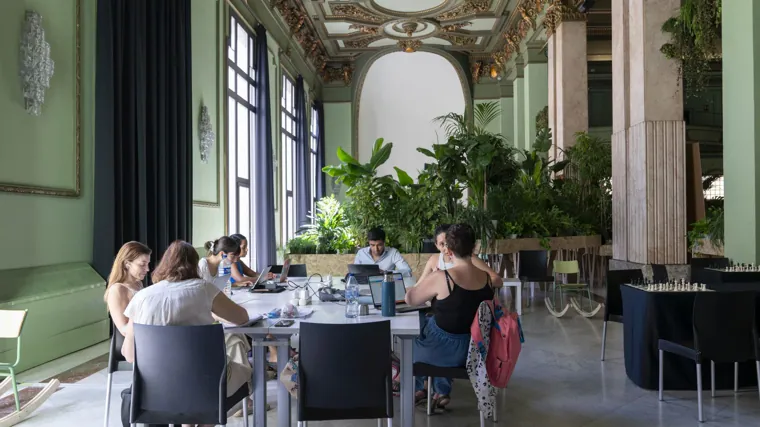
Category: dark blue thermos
<point>389,295</point>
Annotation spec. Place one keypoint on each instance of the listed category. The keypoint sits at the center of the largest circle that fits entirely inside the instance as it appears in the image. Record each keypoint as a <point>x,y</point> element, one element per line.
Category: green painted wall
<point>338,119</point>
<point>741,134</point>
<point>536,97</point>
<point>41,230</point>
<point>209,53</point>
<point>518,128</point>
<point>507,118</point>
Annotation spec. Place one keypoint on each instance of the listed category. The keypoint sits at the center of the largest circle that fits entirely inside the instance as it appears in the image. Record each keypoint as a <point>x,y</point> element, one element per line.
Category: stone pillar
<point>741,129</point>
<point>518,87</point>
<point>648,141</point>
<point>536,89</point>
<point>507,103</point>
<point>568,77</point>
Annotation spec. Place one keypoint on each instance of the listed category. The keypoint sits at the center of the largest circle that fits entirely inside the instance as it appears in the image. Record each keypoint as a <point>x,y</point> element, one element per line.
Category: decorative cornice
<point>459,40</point>
<point>356,12</point>
<point>303,32</point>
<point>454,27</point>
<point>560,11</point>
<point>342,73</point>
<point>469,8</point>
<point>360,43</point>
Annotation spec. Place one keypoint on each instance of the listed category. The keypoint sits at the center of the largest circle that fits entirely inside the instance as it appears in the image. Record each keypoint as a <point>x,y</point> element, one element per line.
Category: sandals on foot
<point>442,400</point>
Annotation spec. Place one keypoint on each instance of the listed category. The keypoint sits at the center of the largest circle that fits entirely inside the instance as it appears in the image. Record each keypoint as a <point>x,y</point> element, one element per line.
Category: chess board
<point>672,286</point>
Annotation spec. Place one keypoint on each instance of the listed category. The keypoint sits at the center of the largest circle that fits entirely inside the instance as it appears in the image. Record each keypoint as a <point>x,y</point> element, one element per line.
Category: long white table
<point>404,326</point>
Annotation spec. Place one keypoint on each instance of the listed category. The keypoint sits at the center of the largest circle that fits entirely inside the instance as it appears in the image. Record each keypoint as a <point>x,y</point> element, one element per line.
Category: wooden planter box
<point>336,264</point>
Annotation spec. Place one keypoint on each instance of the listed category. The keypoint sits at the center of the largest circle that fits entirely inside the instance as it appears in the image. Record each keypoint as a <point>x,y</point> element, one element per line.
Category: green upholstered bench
<point>66,311</point>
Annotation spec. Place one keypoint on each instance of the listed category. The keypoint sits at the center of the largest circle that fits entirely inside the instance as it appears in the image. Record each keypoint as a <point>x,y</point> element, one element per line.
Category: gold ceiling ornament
<point>458,40</point>
<point>410,27</point>
<point>513,42</point>
<point>409,46</point>
<point>303,32</point>
<point>468,8</point>
<point>361,43</point>
<point>335,74</point>
<point>476,69</point>
<point>560,11</point>
<point>357,12</point>
<point>455,27</point>
<point>365,29</point>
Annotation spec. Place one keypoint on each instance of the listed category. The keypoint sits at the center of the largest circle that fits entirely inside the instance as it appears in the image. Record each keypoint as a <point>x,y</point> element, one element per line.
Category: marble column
<point>568,82</point>
<point>648,141</point>
<point>518,86</point>
<point>741,129</point>
<point>536,89</point>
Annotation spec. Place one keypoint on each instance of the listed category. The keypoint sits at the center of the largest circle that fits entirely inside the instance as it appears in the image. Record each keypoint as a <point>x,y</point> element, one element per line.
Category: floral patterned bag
<point>289,376</point>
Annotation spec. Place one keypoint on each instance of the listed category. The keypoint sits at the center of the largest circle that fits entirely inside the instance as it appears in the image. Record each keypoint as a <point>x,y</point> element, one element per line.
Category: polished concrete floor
<point>559,382</point>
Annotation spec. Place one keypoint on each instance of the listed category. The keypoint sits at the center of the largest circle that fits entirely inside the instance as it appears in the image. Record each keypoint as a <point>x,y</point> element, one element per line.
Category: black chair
<point>613,306</point>
<point>432,371</point>
<point>724,331</point>
<point>180,376</point>
<point>698,266</point>
<point>533,267</point>
<point>115,358</point>
<point>353,380</point>
<point>659,273</point>
<point>295,270</point>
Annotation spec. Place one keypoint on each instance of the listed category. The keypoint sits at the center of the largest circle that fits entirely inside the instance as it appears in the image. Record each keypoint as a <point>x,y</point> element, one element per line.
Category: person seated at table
<point>129,269</point>
<point>241,273</point>
<point>456,294</point>
<point>180,297</point>
<point>443,262</point>
<point>388,259</point>
<point>218,250</point>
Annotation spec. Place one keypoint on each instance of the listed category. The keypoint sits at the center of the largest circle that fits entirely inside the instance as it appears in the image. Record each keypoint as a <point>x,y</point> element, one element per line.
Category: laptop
<point>285,269</point>
<point>362,271</point>
<point>263,285</point>
<point>376,288</point>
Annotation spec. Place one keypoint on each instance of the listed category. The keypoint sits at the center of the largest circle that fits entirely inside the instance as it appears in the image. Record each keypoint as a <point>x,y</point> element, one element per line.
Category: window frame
<point>288,157</point>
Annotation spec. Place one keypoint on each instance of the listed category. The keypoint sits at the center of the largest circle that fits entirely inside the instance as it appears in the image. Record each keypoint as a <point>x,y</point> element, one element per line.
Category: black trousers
<point>126,401</point>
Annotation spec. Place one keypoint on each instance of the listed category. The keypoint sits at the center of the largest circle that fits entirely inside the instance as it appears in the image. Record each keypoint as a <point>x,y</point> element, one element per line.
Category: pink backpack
<point>504,346</point>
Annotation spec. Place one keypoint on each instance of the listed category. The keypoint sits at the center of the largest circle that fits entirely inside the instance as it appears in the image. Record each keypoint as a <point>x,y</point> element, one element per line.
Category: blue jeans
<point>437,347</point>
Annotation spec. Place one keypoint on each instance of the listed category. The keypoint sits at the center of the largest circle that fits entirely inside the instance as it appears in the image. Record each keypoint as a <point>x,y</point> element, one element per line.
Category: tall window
<point>288,150</point>
<point>716,189</point>
<point>314,152</point>
<point>241,127</point>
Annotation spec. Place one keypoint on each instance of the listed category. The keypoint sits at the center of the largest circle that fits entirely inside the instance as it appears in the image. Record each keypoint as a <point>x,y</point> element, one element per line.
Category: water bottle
<point>389,295</point>
<point>228,287</point>
<point>225,266</point>
<point>352,297</point>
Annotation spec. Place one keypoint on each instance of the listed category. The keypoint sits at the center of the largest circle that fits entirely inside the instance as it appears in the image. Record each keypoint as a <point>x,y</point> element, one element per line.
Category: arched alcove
<point>400,95</point>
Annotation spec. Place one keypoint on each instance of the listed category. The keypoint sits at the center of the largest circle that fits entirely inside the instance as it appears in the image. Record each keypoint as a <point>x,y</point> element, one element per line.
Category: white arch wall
<point>402,93</point>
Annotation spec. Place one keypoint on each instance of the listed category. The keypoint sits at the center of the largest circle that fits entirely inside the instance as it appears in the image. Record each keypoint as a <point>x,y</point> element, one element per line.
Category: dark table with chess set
<point>654,311</point>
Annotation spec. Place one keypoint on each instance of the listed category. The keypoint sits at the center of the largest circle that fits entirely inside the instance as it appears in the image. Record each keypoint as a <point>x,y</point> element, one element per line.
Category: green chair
<point>11,324</point>
<point>566,268</point>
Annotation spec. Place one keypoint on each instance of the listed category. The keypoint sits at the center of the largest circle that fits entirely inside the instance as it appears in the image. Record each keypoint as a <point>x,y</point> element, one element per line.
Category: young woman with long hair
<point>444,262</point>
<point>242,275</point>
<point>217,250</point>
<point>129,270</point>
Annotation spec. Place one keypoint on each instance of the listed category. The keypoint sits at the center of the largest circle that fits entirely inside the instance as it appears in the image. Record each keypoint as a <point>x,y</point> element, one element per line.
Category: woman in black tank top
<point>445,337</point>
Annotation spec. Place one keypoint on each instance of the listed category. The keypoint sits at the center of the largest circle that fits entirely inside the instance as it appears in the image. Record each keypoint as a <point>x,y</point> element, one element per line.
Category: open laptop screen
<point>376,287</point>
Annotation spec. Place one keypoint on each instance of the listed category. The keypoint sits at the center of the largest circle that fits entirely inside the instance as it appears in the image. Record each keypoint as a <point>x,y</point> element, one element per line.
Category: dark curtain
<point>143,131</point>
<point>262,193</point>
<point>302,157</point>
<point>320,176</point>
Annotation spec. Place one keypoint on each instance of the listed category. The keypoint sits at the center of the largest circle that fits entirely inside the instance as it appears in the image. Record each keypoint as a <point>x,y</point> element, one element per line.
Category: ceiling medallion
<point>469,8</point>
<point>410,27</point>
<point>409,46</point>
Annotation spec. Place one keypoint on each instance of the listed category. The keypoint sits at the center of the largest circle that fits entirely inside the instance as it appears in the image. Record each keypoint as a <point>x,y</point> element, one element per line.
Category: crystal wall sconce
<point>36,65</point>
<point>205,133</point>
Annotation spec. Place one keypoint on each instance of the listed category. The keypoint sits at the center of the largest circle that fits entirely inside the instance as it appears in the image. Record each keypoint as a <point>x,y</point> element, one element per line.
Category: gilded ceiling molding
<point>353,11</point>
<point>303,32</point>
<point>409,46</point>
<point>560,11</point>
<point>361,43</point>
<point>459,40</point>
<point>455,27</point>
<point>335,74</point>
<point>365,29</point>
<point>469,8</point>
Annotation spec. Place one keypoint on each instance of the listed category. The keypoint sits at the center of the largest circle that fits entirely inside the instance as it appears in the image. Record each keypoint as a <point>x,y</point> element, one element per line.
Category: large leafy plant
<point>330,230</point>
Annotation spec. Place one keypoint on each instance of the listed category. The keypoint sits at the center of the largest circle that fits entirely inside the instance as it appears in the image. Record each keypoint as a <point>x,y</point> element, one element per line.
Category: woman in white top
<point>444,262</point>
<point>218,250</point>
<point>179,296</point>
<point>129,270</point>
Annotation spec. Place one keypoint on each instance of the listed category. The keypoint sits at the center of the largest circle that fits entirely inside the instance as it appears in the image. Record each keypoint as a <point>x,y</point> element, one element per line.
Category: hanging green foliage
<point>694,41</point>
